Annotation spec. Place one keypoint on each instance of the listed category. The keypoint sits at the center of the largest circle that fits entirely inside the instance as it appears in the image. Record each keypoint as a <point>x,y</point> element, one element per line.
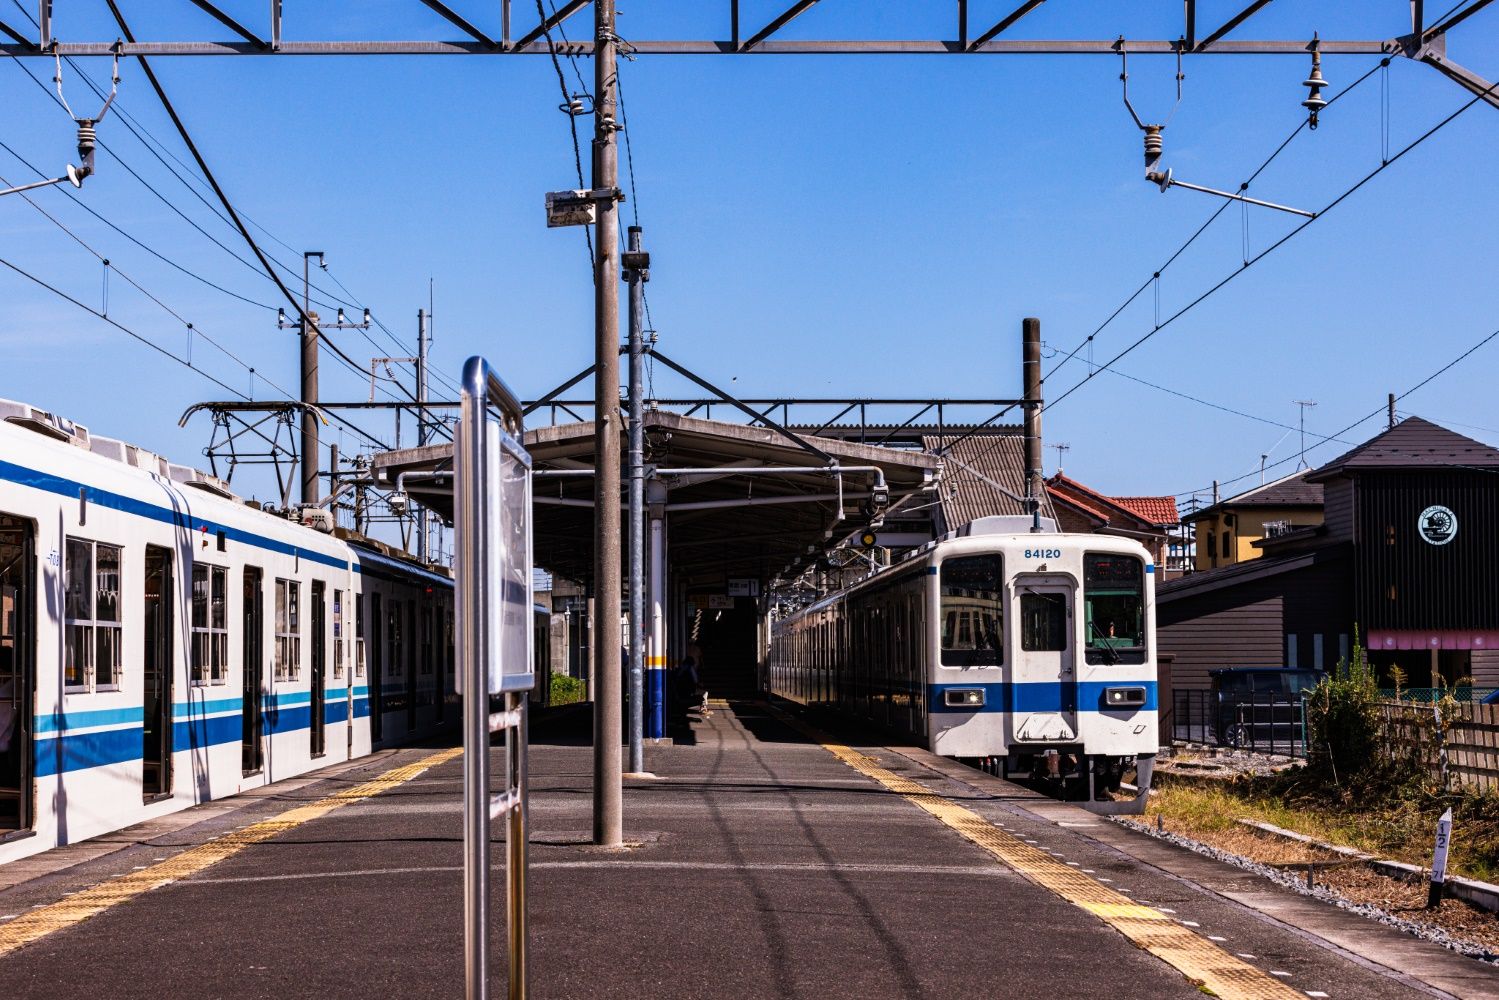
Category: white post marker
<point>1439,861</point>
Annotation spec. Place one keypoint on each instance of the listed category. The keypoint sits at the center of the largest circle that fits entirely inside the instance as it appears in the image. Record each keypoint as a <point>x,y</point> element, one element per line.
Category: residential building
<point>1149,520</point>
<point>1229,532</point>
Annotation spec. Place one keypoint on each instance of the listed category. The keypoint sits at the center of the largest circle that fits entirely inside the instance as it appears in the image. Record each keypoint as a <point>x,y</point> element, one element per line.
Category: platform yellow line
<point>80,906</point>
<point>1204,963</point>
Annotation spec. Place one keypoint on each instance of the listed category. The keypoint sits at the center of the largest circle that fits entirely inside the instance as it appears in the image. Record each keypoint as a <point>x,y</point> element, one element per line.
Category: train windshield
<point>1114,600</point>
<point>972,611</point>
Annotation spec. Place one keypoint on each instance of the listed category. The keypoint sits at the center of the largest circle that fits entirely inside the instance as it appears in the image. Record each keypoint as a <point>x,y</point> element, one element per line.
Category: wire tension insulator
<point>1314,84</point>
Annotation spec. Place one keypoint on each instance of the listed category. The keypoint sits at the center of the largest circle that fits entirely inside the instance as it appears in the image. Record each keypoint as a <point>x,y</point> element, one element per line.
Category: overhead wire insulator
<point>1314,102</point>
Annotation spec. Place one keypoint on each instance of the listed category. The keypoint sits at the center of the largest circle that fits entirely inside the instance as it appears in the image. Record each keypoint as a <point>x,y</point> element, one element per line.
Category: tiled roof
<point>982,470</point>
<point>1156,510</point>
<point>1413,443</point>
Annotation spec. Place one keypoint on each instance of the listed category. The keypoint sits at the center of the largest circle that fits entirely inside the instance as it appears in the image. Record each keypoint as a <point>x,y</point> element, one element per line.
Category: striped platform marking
<point>79,906</point>
<point>1205,964</point>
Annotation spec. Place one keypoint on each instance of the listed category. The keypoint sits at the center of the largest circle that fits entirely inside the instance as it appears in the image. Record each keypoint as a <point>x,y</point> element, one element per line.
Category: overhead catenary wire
<point>572,117</point>
<point>1361,420</point>
<point>1155,276</point>
<point>1349,192</point>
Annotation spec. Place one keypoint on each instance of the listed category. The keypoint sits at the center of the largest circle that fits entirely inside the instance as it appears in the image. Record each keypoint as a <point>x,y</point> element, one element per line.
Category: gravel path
<point>1355,888</point>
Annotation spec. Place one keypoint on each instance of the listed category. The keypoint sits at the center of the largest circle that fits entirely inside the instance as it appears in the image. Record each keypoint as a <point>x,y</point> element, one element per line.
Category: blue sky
<point>818,225</point>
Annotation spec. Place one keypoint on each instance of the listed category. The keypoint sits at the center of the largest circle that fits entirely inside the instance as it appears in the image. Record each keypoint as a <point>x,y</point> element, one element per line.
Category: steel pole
<point>516,742</point>
<point>422,522</point>
<point>607,783</point>
<point>657,654</point>
<point>309,328</point>
<point>636,277</point>
<point>473,658</point>
<point>1030,336</point>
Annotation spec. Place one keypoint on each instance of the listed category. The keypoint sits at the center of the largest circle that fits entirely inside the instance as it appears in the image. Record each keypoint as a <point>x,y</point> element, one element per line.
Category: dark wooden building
<point>1407,559</point>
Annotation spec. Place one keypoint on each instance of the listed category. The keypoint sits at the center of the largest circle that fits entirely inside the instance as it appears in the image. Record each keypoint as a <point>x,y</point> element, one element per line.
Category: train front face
<point>1043,642</point>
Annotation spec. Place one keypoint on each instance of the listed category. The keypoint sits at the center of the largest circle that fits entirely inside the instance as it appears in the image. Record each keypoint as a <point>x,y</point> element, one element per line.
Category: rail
<point>492,528</point>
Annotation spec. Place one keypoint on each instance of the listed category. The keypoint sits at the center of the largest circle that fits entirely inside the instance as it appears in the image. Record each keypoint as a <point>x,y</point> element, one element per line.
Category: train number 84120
<point>1043,553</point>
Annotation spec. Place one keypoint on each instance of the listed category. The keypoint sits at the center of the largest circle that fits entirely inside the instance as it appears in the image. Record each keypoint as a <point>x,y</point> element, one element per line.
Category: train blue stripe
<point>129,505</point>
<point>1043,696</point>
<point>62,721</point>
<point>197,734</point>
<point>84,750</point>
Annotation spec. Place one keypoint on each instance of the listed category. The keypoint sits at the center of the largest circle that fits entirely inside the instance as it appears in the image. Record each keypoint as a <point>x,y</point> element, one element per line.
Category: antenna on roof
<point>1062,448</point>
<point>1301,459</point>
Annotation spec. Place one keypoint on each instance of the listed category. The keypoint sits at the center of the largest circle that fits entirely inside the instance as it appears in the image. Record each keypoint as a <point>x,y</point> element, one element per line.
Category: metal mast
<point>309,330</point>
<point>636,262</point>
<point>423,522</point>
<point>607,790</point>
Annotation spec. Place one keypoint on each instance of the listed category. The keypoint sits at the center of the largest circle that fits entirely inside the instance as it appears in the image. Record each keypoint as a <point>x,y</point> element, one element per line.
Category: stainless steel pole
<point>473,546</point>
<point>607,783</point>
<point>657,654</point>
<point>636,275</point>
<point>516,742</point>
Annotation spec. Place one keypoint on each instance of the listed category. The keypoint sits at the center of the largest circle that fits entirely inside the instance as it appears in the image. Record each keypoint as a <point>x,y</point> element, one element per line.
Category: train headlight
<point>963,697</point>
<point>1124,697</point>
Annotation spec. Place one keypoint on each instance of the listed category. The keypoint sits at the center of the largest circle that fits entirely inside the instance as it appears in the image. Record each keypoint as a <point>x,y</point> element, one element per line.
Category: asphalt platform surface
<point>762,867</point>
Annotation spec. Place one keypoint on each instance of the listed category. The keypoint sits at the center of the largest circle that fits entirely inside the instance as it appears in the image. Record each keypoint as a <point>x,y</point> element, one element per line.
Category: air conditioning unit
<point>316,518</point>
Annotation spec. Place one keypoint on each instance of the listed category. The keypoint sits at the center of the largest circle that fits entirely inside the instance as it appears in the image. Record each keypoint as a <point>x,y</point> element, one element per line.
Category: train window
<point>1043,622</point>
<point>426,640</point>
<point>1114,607</point>
<point>393,635</point>
<point>92,616</point>
<point>288,630</point>
<point>358,636</point>
<point>338,633</point>
<point>972,611</point>
<point>210,624</point>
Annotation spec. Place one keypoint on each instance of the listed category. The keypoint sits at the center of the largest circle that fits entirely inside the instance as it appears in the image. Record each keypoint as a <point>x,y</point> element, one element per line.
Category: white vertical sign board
<point>508,508</point>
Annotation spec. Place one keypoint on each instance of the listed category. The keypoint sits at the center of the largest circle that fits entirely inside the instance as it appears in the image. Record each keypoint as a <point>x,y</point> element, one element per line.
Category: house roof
<point>1289,491</point>
<point>984,475</point>
<point>1413,443</point>
<point>1154,511</point>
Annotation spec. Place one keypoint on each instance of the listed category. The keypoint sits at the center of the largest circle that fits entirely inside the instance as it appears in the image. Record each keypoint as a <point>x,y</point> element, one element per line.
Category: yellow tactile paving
<point>80,906</point>
<point>1201,961</point>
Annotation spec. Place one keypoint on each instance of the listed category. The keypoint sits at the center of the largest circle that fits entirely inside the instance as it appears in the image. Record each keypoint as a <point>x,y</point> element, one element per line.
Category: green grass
<point>1400,824</point>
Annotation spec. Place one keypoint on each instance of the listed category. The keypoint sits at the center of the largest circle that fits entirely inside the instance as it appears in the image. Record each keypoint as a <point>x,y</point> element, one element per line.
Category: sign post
<point>1439,861</point>
<point>492,529</point>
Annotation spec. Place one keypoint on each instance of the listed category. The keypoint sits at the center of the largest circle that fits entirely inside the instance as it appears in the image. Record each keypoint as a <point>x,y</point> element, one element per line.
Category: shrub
<point>567,690</point>
<point>1343,720</point>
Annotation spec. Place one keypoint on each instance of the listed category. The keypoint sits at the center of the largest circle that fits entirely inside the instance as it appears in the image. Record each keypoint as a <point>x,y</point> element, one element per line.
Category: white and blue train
<point>1034,651</point>
<point>164,643</point>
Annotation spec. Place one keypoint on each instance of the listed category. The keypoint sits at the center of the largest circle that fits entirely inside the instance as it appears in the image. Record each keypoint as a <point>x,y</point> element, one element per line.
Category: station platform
<point>767,859</point>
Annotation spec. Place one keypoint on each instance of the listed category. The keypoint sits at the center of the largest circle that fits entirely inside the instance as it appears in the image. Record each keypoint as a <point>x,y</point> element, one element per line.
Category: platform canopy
<point>744,500</point>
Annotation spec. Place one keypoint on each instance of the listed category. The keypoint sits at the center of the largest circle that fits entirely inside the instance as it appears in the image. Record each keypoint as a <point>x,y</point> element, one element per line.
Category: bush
<point>1343,720</point>
<point>567,690</point>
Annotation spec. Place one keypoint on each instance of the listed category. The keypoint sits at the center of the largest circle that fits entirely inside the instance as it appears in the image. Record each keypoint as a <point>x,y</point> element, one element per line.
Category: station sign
<point>720,602</point>
<point>744,587</point>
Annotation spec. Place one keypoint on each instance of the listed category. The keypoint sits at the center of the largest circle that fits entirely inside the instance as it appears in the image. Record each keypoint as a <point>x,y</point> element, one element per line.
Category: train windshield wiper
<point>1104,644</point>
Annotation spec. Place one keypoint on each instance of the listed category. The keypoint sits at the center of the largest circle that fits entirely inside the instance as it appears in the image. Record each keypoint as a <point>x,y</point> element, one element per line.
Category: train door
<point>17,673</point>
<point>252,632</point>
<point>1048,664</point>
<point>376,649</point>
<point>411,666</point>
<point>156,755</point>
<point>318,727</point>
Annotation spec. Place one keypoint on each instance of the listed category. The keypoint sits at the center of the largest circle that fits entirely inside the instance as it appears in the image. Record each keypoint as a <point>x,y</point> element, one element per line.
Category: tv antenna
<point>1305,404</point>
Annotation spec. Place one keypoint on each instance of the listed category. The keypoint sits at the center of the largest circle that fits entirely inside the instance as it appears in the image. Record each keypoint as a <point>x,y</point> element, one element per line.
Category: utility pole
<point>607,782</point>
<point>1392,411</point>
<point>422,522</point>
<point>1304,404</point>
<point>310,329</point>
<point>637,264</point>
<point>1030,337</point>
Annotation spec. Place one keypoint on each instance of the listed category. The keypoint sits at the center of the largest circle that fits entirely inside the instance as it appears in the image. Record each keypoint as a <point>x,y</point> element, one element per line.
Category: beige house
<point>1233,531</point>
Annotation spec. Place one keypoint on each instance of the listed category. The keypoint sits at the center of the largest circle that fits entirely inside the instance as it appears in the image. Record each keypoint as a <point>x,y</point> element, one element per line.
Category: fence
<point>1264,722</point>
<point>1471,740</point>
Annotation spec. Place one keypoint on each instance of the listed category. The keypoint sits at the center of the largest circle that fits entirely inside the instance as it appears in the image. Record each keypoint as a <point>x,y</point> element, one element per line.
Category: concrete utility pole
<point>607,783</point>
<point>637,263</point>
<point>1030,338</point>
<point>309,331</point>
<point>1392,411</point>
<point>422,522</point>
